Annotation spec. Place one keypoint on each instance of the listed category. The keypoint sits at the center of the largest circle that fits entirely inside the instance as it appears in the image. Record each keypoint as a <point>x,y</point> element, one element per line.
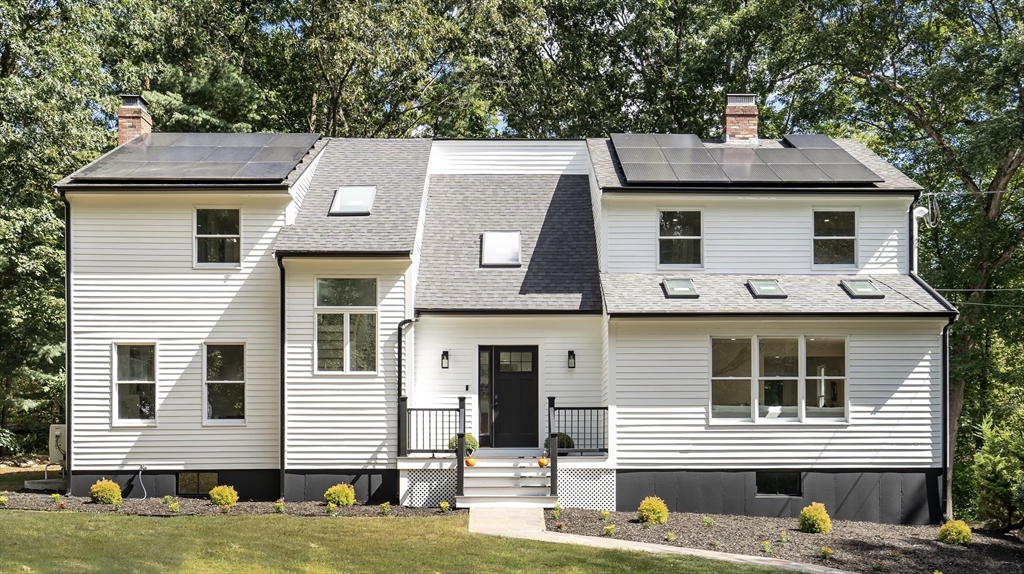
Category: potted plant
<point>471,446</point>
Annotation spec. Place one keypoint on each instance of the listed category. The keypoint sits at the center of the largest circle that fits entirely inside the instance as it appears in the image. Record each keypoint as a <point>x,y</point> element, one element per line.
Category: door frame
<point>493,350</point>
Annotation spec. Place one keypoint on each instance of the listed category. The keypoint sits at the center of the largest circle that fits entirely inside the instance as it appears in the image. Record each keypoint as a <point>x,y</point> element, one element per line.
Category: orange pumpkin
<point>470,462</point>
<point>542,462</point>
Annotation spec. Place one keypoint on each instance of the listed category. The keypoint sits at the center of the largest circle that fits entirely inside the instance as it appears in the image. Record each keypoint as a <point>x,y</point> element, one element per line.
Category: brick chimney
<point>133,118</point>
<point>740,118</point>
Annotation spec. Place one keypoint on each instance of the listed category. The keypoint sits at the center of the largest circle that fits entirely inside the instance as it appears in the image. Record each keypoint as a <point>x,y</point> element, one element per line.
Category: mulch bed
<point>200,507</point>
<point>858,546</point>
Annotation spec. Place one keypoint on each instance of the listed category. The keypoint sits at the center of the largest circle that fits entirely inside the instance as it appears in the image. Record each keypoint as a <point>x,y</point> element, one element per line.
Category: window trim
<point>659,237</point>
<point>195,238</point>
<point>519,252</point>
<point>337,196</point>
<point>115,420</point>
<point>346,311</point>
<point>208,422</point>
<point>855,238</point>
<point>802,419</point>
<point>800,484</point>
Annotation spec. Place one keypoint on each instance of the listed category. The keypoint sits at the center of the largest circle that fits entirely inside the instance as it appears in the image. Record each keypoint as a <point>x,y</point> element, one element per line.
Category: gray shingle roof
<point>641,293</point>
<point>397,167</point>
<point>559,250</point>
<point>609,173</point>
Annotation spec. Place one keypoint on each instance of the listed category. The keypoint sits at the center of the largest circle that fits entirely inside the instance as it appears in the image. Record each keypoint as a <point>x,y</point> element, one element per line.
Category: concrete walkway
<point>528,523</point>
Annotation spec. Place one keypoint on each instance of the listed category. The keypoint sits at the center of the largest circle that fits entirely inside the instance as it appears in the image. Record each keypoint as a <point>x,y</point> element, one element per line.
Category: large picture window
<point>679,238</point>
<point>218,237</point>
<point>760,379</point>
<point>346,325</point>
<point>135,376</point>
<point>835,238</point>
<point>225,383</point>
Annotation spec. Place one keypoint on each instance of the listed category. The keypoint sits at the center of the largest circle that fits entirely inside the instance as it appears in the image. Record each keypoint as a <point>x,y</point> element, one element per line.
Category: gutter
<point>68,405</point>
<point>207,187</point>
<point>403,401</point>
<point>787,189</point>
<point>749,315</point>
<point>281,353</point>
<point>947,512</point>
<point>509,311</point>
<point>935,295</point>
<point>360,254</point>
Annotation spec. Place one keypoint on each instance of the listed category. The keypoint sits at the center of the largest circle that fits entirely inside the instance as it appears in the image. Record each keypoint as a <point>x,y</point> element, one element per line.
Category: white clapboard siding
<point>661,373</point>
<point>755,234</point>
<point>498,156</point>
<point>599,225</point>
<point>334,420</point>
<point>554,336</point>
<point>132,280</point>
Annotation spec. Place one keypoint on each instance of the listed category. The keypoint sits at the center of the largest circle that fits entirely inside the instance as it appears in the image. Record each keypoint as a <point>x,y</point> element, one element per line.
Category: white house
<point>733,325</point>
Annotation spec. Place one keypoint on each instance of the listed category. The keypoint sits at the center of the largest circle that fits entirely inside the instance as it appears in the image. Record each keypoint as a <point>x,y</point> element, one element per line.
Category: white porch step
<point>511,491</point>
<point>506,501</point>
<point>508,452</point>
<point>508,463</point>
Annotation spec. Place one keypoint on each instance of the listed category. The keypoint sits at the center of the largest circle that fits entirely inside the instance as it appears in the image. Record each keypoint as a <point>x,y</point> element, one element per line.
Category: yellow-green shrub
<point>223,496</point>
<point>105,492</point>
<point>652,511</point>
<point>814,519</point>
<point>3,501</point>
<point>341,495</point>
<point>955,532</point>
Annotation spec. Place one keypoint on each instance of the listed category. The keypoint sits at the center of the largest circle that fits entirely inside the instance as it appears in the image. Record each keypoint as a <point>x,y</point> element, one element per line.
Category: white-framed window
<point>346,325</point>
<point>680,238</point>
<point>778,379</point>
<point>218,236</point>
<point>135,383</point>
<point>224,383</point>
<point>835,237</point>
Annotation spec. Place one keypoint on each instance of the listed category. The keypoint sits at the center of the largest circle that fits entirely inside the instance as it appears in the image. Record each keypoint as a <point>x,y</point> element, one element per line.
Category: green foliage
<point>564,441</point>
<point>174,507</point>
<point>766,547</point>
<point>341,495</point>
<point>3,501</point>
<point>783,537</point>
<point>471,443</point>
<point>55,497</point>
<point>385,508</point>
<point>279,506</point>
<point>604,515</point>
<point>223,496</point>
<point>609,530</point>
<point>707,522</point>
<point>168,499</point>
<point>556,512</point>
<point>444,506</point>
<point>670,536</point>
<point>826,553</point>
<point>814,519</point>
<point>999,468</point>
<point>652,510</point>
<point>105,492</point>
<point>955,532</point>
<point>331,507</point>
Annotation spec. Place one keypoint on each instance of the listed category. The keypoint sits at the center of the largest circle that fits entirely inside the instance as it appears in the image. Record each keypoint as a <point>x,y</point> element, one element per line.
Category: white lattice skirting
<point>590,488</point>
<point>428,487</point>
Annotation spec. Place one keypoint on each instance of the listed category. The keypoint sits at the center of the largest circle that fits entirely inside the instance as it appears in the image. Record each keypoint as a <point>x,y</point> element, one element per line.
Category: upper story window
<point>353,200</point>
<point>835,238</point>
<point>224,378</point>
<point>500,249</point>
<point>218,237</point>
<point>346,325</point>
<point>679,238</point>
<point>135,381</point>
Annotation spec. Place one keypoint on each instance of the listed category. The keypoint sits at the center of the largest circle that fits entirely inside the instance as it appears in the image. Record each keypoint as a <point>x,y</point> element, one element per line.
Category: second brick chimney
<point>133,118</point>
<point>740,118</point>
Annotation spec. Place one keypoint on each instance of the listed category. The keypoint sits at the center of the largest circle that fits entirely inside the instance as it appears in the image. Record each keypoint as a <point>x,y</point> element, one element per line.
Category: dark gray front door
<point>515,397</point>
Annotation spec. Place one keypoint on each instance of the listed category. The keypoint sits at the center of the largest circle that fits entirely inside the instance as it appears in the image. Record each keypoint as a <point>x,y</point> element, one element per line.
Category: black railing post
<point>553,445</point>
<point>461,479</point>
<point>403,426</point>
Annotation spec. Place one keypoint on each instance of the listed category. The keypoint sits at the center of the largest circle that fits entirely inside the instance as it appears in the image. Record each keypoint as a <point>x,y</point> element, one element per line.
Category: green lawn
<point>83,542</point>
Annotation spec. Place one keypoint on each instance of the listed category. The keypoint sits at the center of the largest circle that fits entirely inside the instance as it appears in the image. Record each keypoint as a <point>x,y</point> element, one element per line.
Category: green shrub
<point>999,469</point>
<point>604,515</point>
<point>331,507</point>
<point>826,553</point>
<point>174,507</point>
<point>670,536</point>
<point>471,443</point>
<point>279,505</point>
<point>564,441</point>
<point>168,499</point>
<point>783,537</point>
<point>55,497</point>
<point>814,519</point>
<point>955,532</point>
<point>444,506</point>
<point>223,496</point>
<point>341,495</point>
<point>3,501</point>
<point>652,510</point>
<point>609,531</point>
<point>105,492</point>
<point>385,508</point>
<point>714,544</point>
<point>766,547</point>
<point>556,512</point>
<point>707,521</point>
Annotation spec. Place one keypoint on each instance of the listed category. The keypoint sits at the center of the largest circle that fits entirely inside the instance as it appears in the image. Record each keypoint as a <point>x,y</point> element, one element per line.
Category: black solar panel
<point>799,172</point>
<point>699,172</point>
<point>162,157</point>
<point>634,140</point>
<point>849,173</point>
<point>820,156</point>
<point>735,155</point>
<point>781,155</point>
<point>687,155</point>
<point>675,141</point>
<point>640,155</point>
<point>810,141</point>
<point>648,172</point>
<point>749,172</point>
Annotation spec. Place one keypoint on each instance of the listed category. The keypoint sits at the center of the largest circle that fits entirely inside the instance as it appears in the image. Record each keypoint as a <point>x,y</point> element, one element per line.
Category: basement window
<point>679,289</point>
<point>196,483</point>
<point>353,200</point>
<point>500,249</point>
<point>766,289</point>
<point>778,484</point>
<point>861,289</point>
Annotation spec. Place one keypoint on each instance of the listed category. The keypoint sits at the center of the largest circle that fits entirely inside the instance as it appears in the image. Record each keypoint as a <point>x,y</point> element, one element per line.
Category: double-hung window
<point>346,325</point>
<point>679,239</point>
<point>835,238</point>
<point>224,380</point>
<point>135,382</point>
<point>779,379</point>
<point>218,237</point>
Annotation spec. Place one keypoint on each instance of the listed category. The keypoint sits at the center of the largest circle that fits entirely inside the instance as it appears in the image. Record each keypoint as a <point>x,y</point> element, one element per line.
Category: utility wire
<point>990,305</point>
<point>973,290</point>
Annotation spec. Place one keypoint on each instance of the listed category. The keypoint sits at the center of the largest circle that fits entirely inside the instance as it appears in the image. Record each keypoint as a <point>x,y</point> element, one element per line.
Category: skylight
<point>861,289</point>
<point>680,289</point>
<point>500,249</point>
<point>766,289</point>
<point>353,200</point>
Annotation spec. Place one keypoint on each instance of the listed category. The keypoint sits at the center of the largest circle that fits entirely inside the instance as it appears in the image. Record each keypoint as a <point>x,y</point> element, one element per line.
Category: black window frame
<point>767,483</point>
<point>197,493</point>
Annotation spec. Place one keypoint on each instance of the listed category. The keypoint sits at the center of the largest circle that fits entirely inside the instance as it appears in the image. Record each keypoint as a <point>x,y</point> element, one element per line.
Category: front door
<point>514,397</point>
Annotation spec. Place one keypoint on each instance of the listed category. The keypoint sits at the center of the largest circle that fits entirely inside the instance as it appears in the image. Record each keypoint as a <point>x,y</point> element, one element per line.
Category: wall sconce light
<point>444,359</point>
<point>572,359</point>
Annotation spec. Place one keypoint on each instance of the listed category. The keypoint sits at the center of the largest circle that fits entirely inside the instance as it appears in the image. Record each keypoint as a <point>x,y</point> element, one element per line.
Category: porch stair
<point>507,479</point>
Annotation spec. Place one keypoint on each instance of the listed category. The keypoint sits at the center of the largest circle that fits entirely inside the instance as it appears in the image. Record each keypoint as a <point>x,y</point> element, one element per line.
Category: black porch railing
<point>574,430</point>
<point>430,430</point>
